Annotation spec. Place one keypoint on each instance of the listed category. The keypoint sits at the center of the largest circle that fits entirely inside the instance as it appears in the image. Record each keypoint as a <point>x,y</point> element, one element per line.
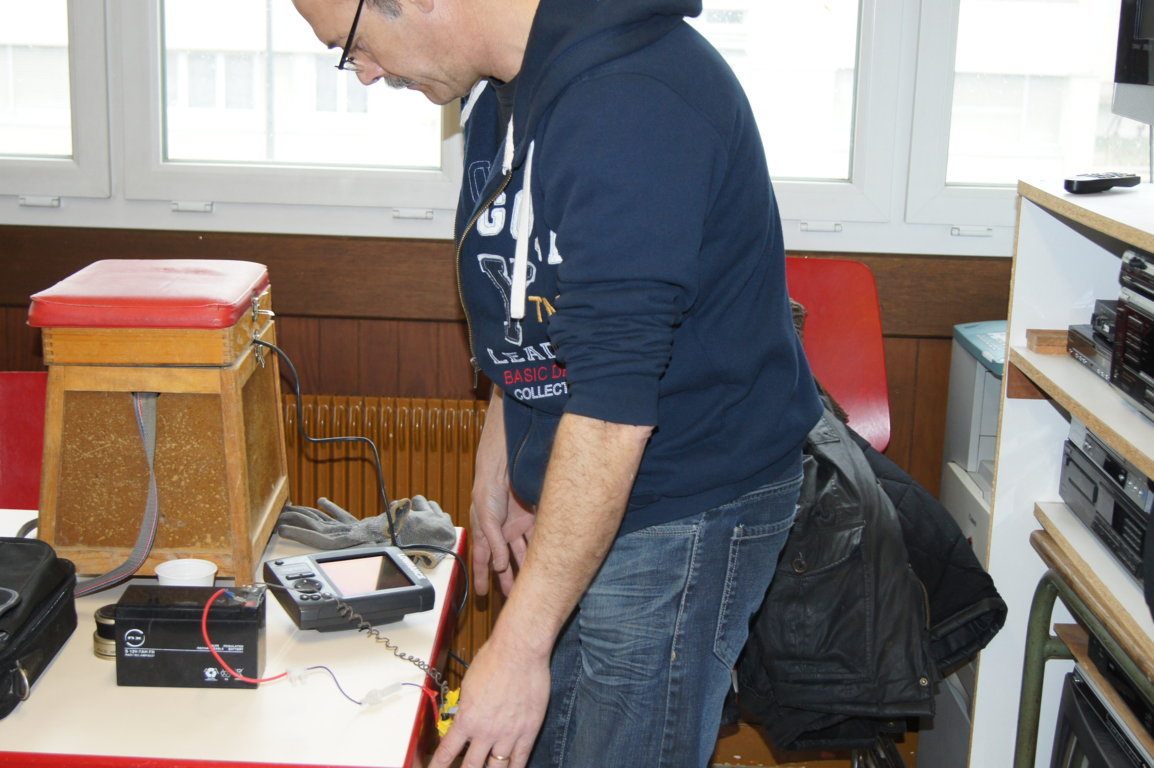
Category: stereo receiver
<point>1132,364</point>
<point>1108,494</point>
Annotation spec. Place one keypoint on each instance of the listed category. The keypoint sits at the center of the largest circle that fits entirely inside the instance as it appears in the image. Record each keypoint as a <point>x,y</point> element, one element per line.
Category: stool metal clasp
<point>257,311</point>
<point>261,353</point>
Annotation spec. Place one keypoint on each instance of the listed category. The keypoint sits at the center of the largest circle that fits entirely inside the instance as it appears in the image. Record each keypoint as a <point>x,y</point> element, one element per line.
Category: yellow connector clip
<point>448,710</point>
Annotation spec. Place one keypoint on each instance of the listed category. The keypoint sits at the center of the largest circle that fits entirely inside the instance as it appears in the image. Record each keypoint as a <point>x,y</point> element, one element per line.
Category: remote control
<point>1099,182</point>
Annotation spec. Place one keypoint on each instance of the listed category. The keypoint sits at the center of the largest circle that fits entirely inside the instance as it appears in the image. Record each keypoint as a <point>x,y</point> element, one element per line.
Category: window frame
<point>896,200</point>
<point>137,38</point>
<point>43,180</point>
<point>867,195</point>
<point>930,200</point>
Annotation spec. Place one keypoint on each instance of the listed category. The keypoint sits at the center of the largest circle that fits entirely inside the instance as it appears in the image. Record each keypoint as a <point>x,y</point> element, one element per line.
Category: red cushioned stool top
<point>151,293</point>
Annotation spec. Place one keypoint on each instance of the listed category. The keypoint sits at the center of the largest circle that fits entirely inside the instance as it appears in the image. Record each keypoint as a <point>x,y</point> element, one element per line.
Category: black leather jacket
<point>856,628</point>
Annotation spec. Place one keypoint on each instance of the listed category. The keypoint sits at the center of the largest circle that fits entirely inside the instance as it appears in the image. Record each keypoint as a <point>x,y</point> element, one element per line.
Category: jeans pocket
<point>753,555</point>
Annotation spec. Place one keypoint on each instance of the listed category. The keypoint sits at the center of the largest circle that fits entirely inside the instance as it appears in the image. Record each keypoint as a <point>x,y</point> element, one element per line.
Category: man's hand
<point>506,690</point>
<point>501,528</point>
<point>503,702</point>
<point>501,525</point>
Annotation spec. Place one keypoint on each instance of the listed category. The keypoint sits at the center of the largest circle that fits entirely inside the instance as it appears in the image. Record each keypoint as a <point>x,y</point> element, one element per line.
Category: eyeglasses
<point>347,63</point>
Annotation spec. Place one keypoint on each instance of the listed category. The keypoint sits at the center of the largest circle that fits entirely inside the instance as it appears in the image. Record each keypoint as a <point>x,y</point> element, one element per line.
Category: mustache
<point>398,82</point>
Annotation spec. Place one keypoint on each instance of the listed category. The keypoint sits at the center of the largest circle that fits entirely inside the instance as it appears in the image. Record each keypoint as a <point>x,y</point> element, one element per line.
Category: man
<point>622,271</point>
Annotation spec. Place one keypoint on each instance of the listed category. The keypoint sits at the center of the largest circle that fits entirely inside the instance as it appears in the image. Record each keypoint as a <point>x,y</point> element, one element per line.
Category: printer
<point>977,362</point>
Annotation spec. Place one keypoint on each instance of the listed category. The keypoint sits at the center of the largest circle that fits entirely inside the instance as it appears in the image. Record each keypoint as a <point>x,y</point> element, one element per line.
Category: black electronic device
<point>1134,62</point>
<point>1085,183</point>
<point>1112,671</point>
<point>1090,733</point>
<point>1105,318</point>
<point>1132,365</point>
<point>328,591</point>
<point>1089,349</point>
<point>1108,495</point>
<point>1127,478</point>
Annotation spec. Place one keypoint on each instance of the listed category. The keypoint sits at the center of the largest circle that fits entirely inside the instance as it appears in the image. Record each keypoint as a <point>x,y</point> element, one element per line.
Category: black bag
<point>36,586</point>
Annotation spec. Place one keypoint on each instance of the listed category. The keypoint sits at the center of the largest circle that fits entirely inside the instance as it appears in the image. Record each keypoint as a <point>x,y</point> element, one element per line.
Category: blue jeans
<point>641,670</point>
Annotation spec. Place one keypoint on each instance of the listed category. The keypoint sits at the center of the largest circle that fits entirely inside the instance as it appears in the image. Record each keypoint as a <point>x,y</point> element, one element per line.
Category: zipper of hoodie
<point>460,292</point>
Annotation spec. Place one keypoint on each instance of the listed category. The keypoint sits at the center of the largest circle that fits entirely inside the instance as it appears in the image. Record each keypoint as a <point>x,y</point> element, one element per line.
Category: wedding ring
<point>499,758</point>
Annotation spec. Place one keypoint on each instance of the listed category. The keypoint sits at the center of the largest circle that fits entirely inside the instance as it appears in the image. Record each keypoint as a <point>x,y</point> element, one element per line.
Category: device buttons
<point>307,585</point>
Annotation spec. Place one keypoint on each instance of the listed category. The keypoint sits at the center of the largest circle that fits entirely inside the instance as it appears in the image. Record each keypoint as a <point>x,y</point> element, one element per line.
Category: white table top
<point>76,708</point>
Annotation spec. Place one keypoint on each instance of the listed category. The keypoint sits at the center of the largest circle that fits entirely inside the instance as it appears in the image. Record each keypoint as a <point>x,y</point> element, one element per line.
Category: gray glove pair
<point>418,521</point>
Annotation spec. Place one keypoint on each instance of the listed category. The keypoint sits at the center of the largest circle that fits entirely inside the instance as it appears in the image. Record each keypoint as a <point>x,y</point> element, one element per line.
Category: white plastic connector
<point>377,695</point>
<point>296,675</point>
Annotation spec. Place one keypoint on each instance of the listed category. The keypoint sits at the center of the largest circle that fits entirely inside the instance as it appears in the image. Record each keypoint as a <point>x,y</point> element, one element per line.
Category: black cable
<point>455,556</point>
<point>352,616</point>
<point>296,382</point>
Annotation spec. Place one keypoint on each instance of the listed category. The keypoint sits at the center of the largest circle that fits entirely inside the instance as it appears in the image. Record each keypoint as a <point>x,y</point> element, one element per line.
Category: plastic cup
<point>186,572</point>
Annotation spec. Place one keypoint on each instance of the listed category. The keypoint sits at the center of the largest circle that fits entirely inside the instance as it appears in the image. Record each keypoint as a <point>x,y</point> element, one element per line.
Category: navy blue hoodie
<point>650,287</point>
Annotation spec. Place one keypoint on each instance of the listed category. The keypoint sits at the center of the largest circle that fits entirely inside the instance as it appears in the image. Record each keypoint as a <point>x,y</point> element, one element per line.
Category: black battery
<point>159,640</point>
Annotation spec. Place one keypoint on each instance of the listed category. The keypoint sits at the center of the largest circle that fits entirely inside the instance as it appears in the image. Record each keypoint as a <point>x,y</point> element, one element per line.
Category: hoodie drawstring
<point>524,225</point>
<point>524,233</point>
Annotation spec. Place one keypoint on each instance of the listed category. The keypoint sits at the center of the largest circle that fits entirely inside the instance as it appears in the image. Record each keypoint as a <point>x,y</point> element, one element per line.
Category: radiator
<point>427,447</point>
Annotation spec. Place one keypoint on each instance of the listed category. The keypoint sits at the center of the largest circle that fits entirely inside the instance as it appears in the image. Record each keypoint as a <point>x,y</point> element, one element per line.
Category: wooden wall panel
<point>927,433</point>
<point>311,275</point>
<point>901,366</point>
<point>399,358</point>
<point>365,316</point>
<point>918,371</point>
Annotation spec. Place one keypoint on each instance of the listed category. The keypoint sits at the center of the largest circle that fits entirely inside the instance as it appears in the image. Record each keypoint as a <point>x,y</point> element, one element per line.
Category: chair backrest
<point>21,437</point>
<point>843,339</point>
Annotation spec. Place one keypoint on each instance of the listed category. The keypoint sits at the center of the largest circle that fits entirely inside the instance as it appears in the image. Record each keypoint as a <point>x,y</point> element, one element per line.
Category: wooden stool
<point>183,329</point>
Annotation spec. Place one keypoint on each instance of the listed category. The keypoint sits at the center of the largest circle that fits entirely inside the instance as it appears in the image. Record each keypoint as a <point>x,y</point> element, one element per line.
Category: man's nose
<point>370,73</point>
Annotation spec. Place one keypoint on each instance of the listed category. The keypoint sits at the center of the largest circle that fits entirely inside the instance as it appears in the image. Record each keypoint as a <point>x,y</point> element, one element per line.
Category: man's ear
<point>424,6</point>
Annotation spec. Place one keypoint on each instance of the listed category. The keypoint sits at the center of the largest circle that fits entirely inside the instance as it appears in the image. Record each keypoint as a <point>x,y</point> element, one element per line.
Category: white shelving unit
<point>1067,256</point>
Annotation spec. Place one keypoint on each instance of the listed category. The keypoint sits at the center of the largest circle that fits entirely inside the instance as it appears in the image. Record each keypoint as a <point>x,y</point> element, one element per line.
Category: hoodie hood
<point>569,37</point>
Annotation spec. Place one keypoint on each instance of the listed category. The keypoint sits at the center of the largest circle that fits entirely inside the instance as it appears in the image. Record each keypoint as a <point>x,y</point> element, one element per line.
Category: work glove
<point>418,521</point>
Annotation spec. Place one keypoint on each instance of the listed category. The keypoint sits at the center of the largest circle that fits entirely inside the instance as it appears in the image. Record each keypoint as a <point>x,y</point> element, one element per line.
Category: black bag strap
<point>144,405</point>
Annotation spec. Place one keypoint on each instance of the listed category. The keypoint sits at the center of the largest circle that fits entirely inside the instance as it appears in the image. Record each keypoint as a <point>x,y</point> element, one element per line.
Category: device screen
<point>358,575</point>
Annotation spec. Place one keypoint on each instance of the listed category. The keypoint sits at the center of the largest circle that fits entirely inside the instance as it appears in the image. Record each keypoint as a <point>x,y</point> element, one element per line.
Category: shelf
<point>1095,574</point>
<point>1066,258</point>
<point>1126,214</point>
<point>1077,640</point>
<point>1092,401</point>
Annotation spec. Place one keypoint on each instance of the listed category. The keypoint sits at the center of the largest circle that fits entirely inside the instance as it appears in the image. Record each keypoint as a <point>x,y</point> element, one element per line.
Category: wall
<point>369,316</point>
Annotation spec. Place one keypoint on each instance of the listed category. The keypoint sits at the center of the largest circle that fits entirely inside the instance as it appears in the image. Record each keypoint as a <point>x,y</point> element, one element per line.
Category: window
<point>808,63</point>
<point>255,111</point>
<point>1030,98</point>
<point>50,81</point>
<point>892,126</point>
<point>1015,112</point>
<point>34,94</point>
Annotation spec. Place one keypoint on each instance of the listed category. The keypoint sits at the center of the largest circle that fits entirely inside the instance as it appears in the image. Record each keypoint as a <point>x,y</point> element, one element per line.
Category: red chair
<point>21,437</point>
<point>843,339</point>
